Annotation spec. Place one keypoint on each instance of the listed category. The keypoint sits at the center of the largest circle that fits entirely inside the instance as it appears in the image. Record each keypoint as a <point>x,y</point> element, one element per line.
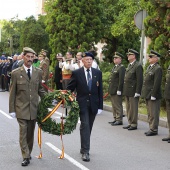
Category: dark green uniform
<point>152,87</point>
<point>133,84</point>
<point>167,97</point>
<point>116,84</point>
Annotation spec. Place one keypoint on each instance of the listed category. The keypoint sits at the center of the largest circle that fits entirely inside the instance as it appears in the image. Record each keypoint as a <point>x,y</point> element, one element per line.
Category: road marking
<point>73,161</point>
<point>5,114</point>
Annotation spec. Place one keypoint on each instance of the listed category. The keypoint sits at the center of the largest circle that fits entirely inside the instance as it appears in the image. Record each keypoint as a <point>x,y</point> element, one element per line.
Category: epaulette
<point>16,69</point>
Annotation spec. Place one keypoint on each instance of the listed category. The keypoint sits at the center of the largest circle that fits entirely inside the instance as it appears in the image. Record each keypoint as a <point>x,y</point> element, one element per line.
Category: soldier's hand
<point>119,93</point>
<point>13,114</point>
<point>137,95</point>
<point>153,98</point>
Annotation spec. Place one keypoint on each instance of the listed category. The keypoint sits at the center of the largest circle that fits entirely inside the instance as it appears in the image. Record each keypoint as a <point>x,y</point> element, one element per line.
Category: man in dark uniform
<point>151,91</point>
<point>87,82</point>
<point>132,88</point>
<point>58,72</point>
<point>115,90</point>
<point>167,99</point>
<point>25,90</point>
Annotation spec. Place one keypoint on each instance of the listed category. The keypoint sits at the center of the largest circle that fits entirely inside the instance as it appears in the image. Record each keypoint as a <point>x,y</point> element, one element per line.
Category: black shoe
<point>165,139</point>
<point>126,127</point>
<point>112,122</point>
<point>146,132</point>
<point>116,123</point>
<point>85,157</point>
<point>169,141</point>
<point>132,128</point>
<point>25,162</point>
<point>150,133</point>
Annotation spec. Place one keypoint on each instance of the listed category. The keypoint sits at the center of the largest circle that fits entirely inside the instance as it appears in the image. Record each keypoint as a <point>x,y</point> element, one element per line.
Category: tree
<point>73,25</point>
<point>120,32</point>
<point>33,35</point>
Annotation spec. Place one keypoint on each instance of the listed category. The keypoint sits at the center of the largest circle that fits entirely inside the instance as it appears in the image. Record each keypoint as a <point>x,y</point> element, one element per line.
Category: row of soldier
<point>132,84</point>
<point>8,64</point>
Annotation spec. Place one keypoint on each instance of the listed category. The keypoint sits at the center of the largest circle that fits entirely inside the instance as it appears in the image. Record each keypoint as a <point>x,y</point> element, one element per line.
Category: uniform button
<point>89,94</point>
<point>30,95</point>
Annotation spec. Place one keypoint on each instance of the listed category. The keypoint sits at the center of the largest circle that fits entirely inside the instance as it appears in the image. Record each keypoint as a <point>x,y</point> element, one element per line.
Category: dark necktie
<point>28,73</point>
<point>89,80</point>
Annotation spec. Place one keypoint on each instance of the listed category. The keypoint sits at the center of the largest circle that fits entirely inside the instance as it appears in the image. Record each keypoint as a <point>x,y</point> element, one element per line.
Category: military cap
<point>118,55</point>
<point>153,53</point>
<point>87,54</point>
<point>59,55</point>
<point>131,51</point>
<point>28,50</point>
<point>44,50</point>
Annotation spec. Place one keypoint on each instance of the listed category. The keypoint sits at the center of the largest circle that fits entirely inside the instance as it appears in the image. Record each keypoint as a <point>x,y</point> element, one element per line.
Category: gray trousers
<point>26,136</point>
<point>117,107</point>
<point>168,113</point>
<point>153,109</point>
<point>132,110</point>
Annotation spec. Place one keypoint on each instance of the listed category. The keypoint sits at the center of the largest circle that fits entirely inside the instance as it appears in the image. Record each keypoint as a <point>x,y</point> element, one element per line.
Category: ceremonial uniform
<point>115,90</point>
<point>167,99</point>
<point>151,91</point>
<point>23,101</point>
<point>132,89</point>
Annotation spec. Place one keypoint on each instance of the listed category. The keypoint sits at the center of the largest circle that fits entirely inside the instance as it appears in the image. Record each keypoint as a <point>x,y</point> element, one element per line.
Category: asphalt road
<point>112,148</point>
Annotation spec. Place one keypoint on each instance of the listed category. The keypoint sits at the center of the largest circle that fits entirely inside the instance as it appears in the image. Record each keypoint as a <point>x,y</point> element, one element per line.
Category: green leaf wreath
<point>50,124</point>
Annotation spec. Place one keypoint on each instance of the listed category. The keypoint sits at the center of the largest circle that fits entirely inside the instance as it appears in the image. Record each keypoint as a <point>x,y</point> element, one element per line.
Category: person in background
<point>25,89</point>
<point>44,67</point>
<point>115,90</point>
<point>58,72</point>
<point>132,88</point>
<point>151,92</point>
<point>36,62</point>
<point>87,82</point>
<point>78,62</point>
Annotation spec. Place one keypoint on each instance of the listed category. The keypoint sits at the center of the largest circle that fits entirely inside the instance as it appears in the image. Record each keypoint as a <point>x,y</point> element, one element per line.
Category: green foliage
<point>73,25</point>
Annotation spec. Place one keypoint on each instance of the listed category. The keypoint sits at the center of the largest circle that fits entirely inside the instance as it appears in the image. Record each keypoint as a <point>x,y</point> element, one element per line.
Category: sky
<point>12,8</point>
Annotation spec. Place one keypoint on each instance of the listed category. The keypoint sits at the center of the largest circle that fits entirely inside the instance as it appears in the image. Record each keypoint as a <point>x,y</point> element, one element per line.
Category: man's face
<point>117,60</point>
<point>28,59</point>
<point>131,57</point>
<point>152,59</point>
<point>78,56</point>
<point>68,55</point>
<point>87,61</point>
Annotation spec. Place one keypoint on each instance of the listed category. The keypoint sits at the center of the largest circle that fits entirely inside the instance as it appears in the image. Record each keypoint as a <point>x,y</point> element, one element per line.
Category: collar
<point>26,68</point>
<point>85,69</point>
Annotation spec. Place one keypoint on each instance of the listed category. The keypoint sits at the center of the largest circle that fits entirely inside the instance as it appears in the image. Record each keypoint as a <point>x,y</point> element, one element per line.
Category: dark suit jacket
<point>133,80</point>
<point>58,73</point>
<point>116,80</point>
<point>24,93</point>
<point>152,82</point>
<point>167,85</point>
<point>95,96</point>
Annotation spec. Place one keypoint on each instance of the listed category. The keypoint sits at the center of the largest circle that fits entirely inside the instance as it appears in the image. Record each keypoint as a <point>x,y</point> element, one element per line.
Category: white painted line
<point>5,114</point>
<point>73,161</point>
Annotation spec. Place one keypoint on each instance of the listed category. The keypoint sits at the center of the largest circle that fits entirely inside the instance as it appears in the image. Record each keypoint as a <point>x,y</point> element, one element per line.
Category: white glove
<point>43,81</point>
<point>99,111</point>
<point>119,93</point>
<point>137,95</point>
<point>13,114</point>
<point>153,98</point>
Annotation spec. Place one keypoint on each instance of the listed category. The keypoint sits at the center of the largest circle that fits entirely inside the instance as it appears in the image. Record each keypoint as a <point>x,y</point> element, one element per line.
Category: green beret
<point>118,55</point>
<point>153,53</point>
<point>28,50</point>
<point>131,51</point>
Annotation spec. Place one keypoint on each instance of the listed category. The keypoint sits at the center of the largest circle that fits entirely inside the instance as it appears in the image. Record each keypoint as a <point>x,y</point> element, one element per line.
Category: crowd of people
<point>29,75</point>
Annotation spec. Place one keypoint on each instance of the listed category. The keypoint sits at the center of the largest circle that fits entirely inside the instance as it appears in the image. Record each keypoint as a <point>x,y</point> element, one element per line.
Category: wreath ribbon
<point>62,127</point>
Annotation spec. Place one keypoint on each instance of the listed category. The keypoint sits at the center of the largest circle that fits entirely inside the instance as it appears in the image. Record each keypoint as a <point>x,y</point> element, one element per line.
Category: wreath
<point>68,124</point>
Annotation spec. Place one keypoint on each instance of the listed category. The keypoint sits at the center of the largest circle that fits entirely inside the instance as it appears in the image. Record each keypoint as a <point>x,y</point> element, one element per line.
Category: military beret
<point>153,53</point>
<point>87,54</point>
<point>28,50</point>
<point>118,55</point>
<point>131,51</point>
